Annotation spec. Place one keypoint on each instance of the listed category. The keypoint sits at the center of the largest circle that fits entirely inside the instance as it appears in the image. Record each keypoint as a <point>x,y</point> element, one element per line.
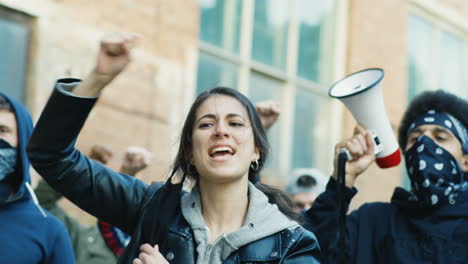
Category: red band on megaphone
<point>390,160</point>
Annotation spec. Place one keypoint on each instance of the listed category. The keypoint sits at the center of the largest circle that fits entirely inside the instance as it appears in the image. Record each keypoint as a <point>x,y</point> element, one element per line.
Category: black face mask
<point>436,177</point>
<point>7,168</point>
<point>7,159</point>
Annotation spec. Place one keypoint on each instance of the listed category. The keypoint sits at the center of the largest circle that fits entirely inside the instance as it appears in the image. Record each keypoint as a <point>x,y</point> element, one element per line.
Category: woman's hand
<point>114,55</point>
<point>361,148</point>
<point>150,255</point>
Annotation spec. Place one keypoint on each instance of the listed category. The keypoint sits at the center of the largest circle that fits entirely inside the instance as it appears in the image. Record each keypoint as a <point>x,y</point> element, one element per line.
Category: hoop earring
<point>254,166</point>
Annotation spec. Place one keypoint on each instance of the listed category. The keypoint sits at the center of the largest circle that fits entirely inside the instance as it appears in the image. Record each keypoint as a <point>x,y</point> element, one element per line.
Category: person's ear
<point>256,154</point>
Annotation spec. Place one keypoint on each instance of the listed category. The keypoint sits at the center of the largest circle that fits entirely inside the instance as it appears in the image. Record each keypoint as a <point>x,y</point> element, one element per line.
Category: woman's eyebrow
<point>230,115</point>
<point>212,116</point>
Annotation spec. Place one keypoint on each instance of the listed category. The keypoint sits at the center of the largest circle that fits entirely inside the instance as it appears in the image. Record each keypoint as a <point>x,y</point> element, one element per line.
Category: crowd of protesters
<point>229,215</point>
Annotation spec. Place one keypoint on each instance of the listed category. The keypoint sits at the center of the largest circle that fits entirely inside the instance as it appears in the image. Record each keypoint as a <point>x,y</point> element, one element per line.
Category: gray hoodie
<point>263,219</point>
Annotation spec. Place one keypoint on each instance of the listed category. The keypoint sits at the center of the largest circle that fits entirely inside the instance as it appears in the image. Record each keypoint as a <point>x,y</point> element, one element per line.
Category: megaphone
<point>361,92</point>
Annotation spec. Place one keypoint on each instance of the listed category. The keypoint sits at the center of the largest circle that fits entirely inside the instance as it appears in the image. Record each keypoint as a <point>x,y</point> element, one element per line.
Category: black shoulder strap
<point>132,249</point>
<point>150,193</point>
<point>159,213</point>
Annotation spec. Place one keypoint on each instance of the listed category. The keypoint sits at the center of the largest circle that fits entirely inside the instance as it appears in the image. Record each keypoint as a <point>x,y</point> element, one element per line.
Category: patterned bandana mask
<point>7,159</point>
<point>436,177</point>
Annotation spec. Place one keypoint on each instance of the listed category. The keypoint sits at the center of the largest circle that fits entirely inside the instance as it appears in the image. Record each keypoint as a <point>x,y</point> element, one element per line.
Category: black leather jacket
<point>118,199</point>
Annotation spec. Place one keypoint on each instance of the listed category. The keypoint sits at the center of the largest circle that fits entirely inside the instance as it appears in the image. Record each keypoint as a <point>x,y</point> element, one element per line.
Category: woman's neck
<point>224,206</point>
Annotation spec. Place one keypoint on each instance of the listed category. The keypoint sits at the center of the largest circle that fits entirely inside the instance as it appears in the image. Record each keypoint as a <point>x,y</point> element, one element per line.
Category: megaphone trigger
<point>377,143</point>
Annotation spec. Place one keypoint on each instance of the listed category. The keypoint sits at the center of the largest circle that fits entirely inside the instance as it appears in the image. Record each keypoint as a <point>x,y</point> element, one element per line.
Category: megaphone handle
<point>347,153</point>
<point>341,178</point>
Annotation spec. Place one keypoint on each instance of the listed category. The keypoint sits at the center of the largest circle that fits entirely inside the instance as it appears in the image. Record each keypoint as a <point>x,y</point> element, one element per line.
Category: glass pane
<point>214,72</point>
<point>220,23</point>
<point>419,55</point>
<point>315,37</point>
<point>264,88</point>
<point>270,33</point>
<point>311,119</point>
<point>13,54</point>
<point>451,64</point>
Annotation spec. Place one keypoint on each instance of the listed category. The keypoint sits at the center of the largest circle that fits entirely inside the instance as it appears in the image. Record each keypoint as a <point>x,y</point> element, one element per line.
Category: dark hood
<point>25,127</point>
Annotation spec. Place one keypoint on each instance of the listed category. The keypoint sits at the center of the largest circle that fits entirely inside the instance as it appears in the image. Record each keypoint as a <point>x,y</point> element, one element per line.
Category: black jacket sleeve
<point>110,196</point>
<point>322,220</point>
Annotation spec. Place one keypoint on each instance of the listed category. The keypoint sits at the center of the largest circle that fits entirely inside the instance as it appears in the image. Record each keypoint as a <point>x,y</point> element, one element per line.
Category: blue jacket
<point>396,232</point>
<point>120,199</point>
<point>28,233</point>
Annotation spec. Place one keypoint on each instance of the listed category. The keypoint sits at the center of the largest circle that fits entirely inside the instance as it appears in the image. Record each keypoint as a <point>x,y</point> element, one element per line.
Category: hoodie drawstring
<point>34,198</point>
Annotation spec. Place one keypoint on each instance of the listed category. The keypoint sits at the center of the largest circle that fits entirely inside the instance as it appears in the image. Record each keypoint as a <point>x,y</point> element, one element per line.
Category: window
<point>270,32</point>
<point>216,72</point>
<point>436,53</point>
<point>14,37</point>
<point>279,50</point>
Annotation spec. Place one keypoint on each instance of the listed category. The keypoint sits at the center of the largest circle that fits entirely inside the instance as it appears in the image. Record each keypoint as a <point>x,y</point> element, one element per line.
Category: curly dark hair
<point>440,101</point>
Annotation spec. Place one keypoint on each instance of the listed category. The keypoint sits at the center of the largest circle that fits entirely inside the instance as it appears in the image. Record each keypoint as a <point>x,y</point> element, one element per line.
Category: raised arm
<point>106,194</point>
<point>322,218</point>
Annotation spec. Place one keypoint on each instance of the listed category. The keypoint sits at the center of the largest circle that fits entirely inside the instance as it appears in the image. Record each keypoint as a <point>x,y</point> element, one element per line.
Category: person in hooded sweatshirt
<point>29,234</point>
<point>228,217</point>
<point>429,223</point>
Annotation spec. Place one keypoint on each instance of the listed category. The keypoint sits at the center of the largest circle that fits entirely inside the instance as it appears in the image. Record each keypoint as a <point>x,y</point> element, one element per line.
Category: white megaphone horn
<point>361,92</point>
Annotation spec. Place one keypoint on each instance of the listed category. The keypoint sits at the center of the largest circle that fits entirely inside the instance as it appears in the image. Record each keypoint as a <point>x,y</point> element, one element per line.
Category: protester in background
<point>429,223</point>
<point>28,233</point>
<point>228,217</point>
<point>101,153</point>
<point>305,185</point>
<point>100,243</point>
<point>269,112</point>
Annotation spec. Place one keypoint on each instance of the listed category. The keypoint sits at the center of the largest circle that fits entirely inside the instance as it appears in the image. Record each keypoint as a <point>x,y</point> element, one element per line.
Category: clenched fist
<point>114,55</point>
<point>135,160</point>
<point>269,112</point>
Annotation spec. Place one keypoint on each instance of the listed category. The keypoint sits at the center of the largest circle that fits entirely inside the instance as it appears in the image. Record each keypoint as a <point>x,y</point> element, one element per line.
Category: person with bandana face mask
<point>29,234</point>
<point>428,223</point>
